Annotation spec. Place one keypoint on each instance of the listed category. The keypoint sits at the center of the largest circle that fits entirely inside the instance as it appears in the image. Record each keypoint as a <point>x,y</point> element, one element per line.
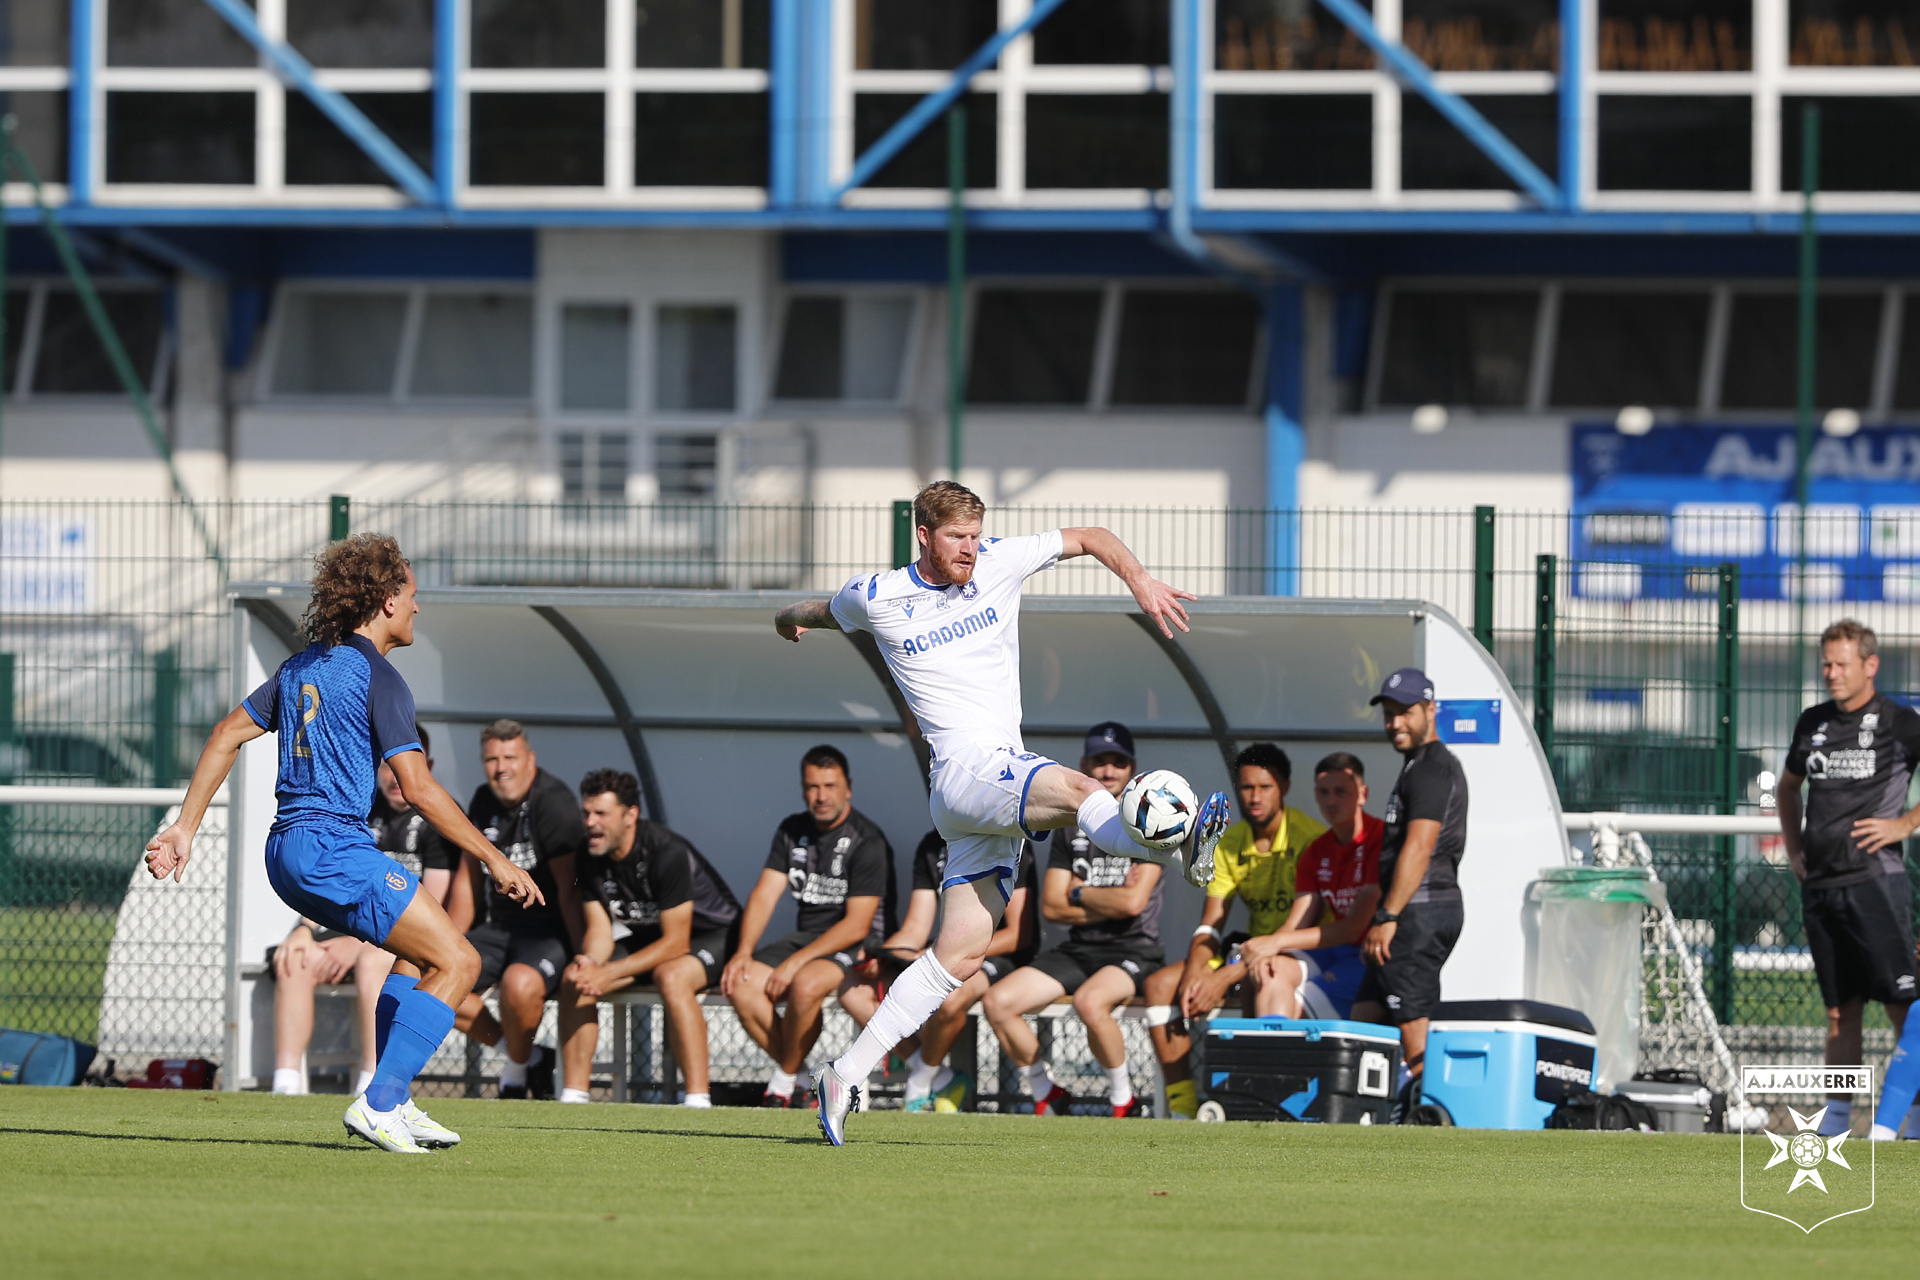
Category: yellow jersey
<point>1264,881</point>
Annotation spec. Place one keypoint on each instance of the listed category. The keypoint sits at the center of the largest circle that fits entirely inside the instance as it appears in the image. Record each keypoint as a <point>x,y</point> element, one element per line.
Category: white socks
<point>1119,1086</point>
<point>1100,819</point>
<point>360,1085</point>
<point>575,1095</point>
<point>288,1083</point>
<point>910,1001</point>
<point>920,1076</point>
<point>1839,1119</point>
<point>781,1083</point>
<point>698,1101</point>
<point>513,1075</point>
<point>1038,1080</point>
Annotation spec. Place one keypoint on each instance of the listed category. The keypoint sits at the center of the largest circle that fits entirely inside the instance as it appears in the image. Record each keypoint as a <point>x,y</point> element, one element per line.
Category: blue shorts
<point>337,877</point>
<point>1332,980</point>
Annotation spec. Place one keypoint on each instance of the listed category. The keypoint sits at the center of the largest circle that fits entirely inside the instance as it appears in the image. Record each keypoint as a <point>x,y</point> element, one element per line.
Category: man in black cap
<point>1421,913</point>
<point>1112,907</point>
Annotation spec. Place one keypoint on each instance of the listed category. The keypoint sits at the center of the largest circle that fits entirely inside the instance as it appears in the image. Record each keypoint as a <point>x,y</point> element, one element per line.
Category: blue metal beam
<point>929,108</point>
<point>349,118</point>
<point>446,98</point>
<point>1456,110</point>
<point>783,160</point>
<point>814,136</point>
<point>1572,64</point>
<point>80,125</point>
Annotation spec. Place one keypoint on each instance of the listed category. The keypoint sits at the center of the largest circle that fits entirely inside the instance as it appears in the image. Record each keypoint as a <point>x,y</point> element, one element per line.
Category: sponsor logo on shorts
<point>1393,1002</point>
<point>396,881</point>
<point>1904,982</point>
<point>706,956</point>
<point>1131,966</point>
<point>546,966</point>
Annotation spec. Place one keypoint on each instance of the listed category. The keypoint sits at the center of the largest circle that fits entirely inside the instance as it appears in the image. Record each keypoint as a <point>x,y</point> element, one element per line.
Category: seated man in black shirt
<point>534,820</point>
<point>655,909</point>
<point>839,868</point>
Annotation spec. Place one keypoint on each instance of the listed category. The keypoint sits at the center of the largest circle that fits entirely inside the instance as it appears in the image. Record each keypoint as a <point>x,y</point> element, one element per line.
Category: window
<point>19,308</point>
<point>1662,143</point>
<point>687,465</point>
<point>1185,348</point>
<point>1866,144</point>
<point>700,140</point>
<point>1435,156</point>
<point>1033,346</point>
<point>71,360</point>
<point>912,35</point>
<point>1676,35</point>
<point>844,348</point>
<point>1097,140</point>
<point>41,130</point>
<point>1763,347</point>
<point>475,344</point>
<point>595,356</point>
<point>1629,348</point>
<point>1906,385</point>
<point>701,33</point>
<point>1483,35</point>
<point>318,154</point>
<point>1854,33</point>
<point>180,137</point>
<point>34,33</point>
<point>361,33</point>
<point>594,466</point>
<point>694,358</point>
<point>1467,347</point>
<point>1104,32</point>
<point>172,33</point>
<point>1295,142</point>
<point>538,33</point>
<point>537,139</point>
<point>1259,35</point>
<point>923,161</point>
<point>339,343</point>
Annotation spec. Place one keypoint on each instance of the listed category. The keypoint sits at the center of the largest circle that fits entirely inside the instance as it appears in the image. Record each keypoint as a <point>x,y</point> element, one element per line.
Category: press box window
<point>687,465</point>
<point>1104,32</point>
<point>539,33</point>
<point>1676,144</point>
<point>1033,346</point>
<point>845,348</point>
<point>702,33</point>
<point>700,140</point>
<point>171,33</point>
<point>1763,348</point>
<point>1262,35</point>
<point>1185,348</point>
<point>537,139</point>
<point>41,129</point>
<point>361,33</point>
<point>1629,348</point>
<point>1866,144</point>
<point>695,354</point>
<point>1293,142</point>
<point>923,161</point>
<point>1483,35</point>
<point>338,344</point>
<point>1854,33</point>
<point>594,466</point>
<point>71,360</point>
<point>35,33</point>
<point>1436,156</point>
<point>318,154</point>
<point>913,35</point>
<point>180,137</point>
<point>1676,35</point>
<point>1099,140</point>
<point>1464,348</point>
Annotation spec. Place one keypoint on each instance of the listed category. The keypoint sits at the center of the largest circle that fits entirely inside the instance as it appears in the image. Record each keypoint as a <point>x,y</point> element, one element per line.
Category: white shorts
<point>978,800</point>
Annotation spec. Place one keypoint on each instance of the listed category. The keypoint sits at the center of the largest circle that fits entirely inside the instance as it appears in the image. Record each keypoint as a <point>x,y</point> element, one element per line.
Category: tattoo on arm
<point>810,614</point>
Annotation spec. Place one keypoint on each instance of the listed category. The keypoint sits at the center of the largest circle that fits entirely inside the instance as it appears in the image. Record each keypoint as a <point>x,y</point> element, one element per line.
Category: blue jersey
<point>339,710</point>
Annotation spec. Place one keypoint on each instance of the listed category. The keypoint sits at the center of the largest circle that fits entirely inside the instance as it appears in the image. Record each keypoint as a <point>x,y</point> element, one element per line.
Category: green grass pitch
<point>118,1183</point>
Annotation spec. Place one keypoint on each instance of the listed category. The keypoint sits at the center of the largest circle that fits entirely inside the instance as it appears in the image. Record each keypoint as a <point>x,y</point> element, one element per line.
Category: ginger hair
<point>943,502</point>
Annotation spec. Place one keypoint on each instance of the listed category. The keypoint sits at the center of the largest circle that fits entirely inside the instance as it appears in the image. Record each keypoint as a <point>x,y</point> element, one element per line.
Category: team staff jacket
<point>1431,785</point>
<point>1264,881</point>
<point>1074,850</point>
<point>545,825</point>
<point>661,872</point>
<point>1857,765</point>
<point>409,839</point>
<point>825,868</point>
<point>930,868</point>
<point>1338,871</point>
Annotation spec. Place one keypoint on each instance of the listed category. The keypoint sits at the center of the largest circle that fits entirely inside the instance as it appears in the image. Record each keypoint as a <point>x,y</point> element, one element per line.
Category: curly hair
<point>352,579</point>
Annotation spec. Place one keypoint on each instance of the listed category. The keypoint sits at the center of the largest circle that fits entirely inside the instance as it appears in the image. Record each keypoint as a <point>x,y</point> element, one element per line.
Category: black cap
<point>1406,686</point>
<point>1109,736</point>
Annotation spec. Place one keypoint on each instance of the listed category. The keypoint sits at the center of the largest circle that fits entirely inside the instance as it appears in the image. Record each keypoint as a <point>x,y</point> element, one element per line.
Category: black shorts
<point>499,946</point>
<point>1073,963</point>
<point>1408,984</point>
<point>713,949</point>
<point>1861,939</point>
<point>998,967</point>
<point>772,954</point>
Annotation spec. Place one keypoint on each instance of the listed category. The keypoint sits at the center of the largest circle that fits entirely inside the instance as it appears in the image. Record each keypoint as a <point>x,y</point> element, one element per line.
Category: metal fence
<point>1656,681</point>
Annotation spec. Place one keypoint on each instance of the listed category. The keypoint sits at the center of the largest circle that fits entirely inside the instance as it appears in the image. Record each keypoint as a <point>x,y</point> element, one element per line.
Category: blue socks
<point>1903,1076</point>
<point>395,987</point>
<point>420,1023</point>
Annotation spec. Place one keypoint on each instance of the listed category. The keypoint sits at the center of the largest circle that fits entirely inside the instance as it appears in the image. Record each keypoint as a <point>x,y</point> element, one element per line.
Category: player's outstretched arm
<point>1157,600</point>
<point>796,620</point>
<point>424,792</point>
<point>169,852</point>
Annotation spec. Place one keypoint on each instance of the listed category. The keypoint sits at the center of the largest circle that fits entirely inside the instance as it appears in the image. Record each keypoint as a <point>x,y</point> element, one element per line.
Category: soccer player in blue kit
<point>340,710</point>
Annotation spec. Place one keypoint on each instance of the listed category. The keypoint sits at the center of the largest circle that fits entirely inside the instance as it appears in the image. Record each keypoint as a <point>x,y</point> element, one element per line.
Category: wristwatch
<point>1384,916</point>
<point>1073,894</point>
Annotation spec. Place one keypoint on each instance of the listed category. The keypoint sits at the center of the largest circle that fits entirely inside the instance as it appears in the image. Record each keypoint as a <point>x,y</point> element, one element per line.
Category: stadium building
<point>1217,253</point>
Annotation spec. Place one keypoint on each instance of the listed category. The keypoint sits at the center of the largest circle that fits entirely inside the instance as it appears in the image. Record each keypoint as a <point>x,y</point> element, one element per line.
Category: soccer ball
<point>1159,809</point>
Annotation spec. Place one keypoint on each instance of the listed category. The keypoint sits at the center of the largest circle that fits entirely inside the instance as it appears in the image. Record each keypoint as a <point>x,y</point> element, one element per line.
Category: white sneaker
<point>384,1129</point>
<point>1880,1133</point>
<point>427,1131</point>
<point>836,1099</point>
<point>1215,816</point>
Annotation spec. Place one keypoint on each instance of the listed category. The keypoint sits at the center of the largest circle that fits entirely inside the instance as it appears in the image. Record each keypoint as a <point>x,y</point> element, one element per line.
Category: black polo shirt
<point>1431,785</point>
<point>1857,765</point>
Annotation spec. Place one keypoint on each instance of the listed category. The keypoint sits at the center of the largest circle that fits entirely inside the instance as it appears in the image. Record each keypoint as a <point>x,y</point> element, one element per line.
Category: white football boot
<point>426,1131</point>
<point>1215,816</point>
<point>836,1100</point>
<point>386,1130</point>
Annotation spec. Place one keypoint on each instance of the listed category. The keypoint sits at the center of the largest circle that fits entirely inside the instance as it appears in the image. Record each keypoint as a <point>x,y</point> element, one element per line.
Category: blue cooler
<point>1298,1069</point>
<point>1505,1064</point>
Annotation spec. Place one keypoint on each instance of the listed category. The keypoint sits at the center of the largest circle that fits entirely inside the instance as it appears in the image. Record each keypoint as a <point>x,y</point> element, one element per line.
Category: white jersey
<point>954,651</point>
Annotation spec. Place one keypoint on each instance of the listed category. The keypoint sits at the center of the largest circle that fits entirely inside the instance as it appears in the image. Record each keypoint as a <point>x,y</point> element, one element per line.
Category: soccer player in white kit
<point>949,629</point>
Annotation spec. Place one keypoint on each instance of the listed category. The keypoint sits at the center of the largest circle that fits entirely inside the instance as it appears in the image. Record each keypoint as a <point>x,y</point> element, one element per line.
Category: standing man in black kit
<point>1421,913</point>
<point>1856,754</point>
